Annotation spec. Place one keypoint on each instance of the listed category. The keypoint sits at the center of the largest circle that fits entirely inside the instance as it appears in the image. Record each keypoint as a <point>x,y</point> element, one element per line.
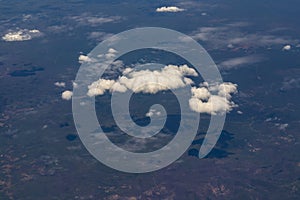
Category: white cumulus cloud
<point>287,47</point>
<point>67,95</point>
<point>169,9</point>
<point>146,81</point>
<point>21,35</point>
<point>213,99</point>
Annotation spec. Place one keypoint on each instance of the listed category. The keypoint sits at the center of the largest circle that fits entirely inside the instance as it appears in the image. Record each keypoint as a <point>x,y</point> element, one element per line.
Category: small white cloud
<point>153,112</point>
<point>21,35</point>
<point>67,95</point>
<point>60,84</point>
<point>169,9</point>
<point>287,47</point>
<point>84,58</point>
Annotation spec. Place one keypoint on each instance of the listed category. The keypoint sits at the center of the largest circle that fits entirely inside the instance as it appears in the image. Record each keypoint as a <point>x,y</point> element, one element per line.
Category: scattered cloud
<point>169,9</point>
<point>205,98</point>
<point>278,123</point>
<point>67,95</point>
<point>21,35</point>
<point>60,84</point>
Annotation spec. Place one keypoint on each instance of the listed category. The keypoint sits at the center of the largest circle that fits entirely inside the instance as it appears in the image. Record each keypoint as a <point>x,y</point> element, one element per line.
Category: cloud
<point>67,95</point>
<point>60,84</point>
<point>169,9</point>
<point>145,81</point>
<point>84,58</point>
<point>239,61</point>
<point>109,56</point>
<point>287,47</point>
<point>21,35</point>
<point>213,99</point>
<point>153,112</point>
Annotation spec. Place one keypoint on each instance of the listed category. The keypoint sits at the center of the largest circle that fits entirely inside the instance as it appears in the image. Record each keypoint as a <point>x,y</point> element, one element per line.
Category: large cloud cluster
<point>210,99</point>
<point>21,35</point>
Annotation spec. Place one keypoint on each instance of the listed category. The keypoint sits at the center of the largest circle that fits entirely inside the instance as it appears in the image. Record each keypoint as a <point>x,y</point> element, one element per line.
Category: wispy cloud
<point>233,36</point>
<point>99,36</point>
<point>237,62</point>
<point>87,19</point>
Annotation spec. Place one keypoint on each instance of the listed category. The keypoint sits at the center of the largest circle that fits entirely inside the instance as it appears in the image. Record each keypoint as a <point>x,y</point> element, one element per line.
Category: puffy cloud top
<point>213,99</point>
<point>146,81</point>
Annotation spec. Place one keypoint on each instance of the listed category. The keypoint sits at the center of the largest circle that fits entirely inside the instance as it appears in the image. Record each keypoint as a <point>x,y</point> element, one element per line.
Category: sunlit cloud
<point>213,99</point>
<point>67,95</point>
<point>21,35</point>
<point>287,47</point>
<point>169,9</point>
<point>145,81</point>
